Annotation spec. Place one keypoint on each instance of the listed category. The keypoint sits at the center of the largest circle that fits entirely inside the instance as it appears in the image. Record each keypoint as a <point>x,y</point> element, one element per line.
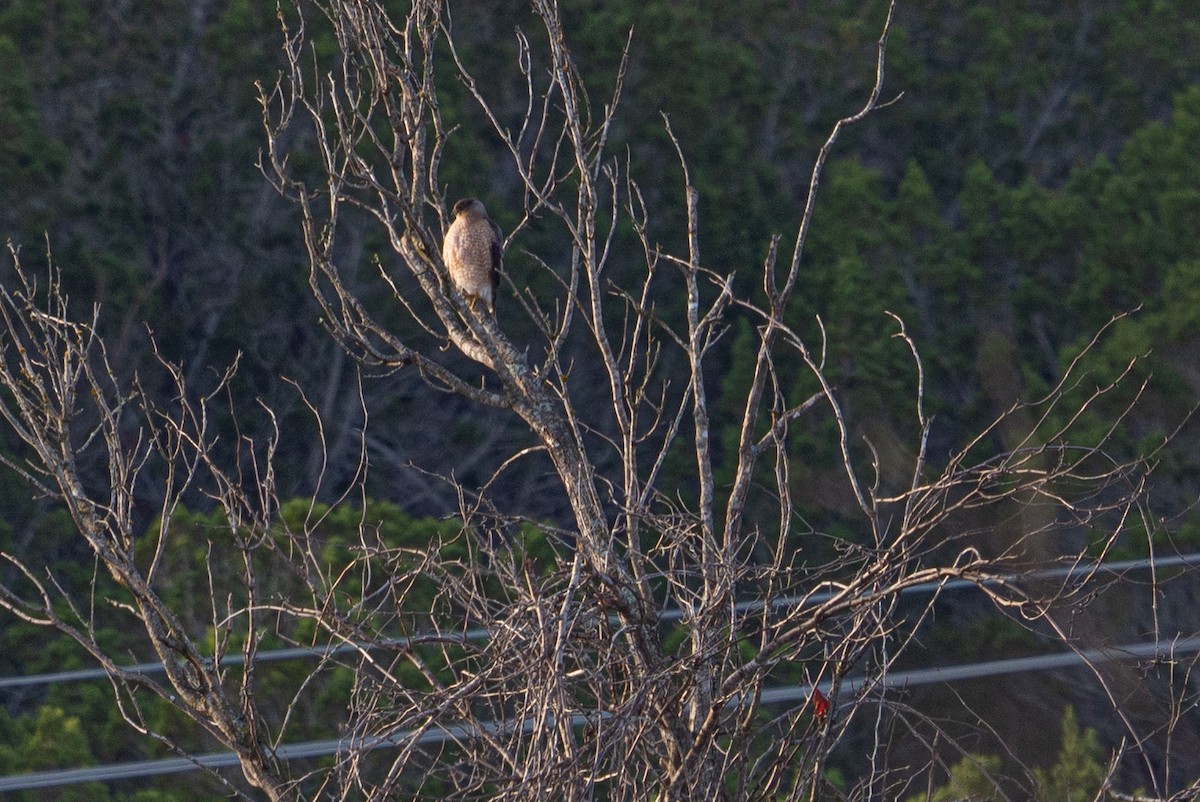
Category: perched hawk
<point>472,253</point>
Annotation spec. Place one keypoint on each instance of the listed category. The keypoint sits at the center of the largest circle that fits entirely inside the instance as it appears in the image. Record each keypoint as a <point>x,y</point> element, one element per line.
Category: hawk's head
<point>470,208</point>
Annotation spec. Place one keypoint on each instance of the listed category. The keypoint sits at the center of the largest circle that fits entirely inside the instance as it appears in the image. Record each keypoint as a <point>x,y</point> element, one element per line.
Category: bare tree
<point>638,659</point>
<point>88,441</point>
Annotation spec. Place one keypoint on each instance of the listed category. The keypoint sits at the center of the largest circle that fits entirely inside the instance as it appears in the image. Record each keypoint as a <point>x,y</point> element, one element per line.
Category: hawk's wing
<point>497,261</point>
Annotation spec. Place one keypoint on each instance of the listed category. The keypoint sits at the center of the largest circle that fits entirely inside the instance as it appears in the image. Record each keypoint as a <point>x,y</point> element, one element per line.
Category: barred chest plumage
<point>471,252</point>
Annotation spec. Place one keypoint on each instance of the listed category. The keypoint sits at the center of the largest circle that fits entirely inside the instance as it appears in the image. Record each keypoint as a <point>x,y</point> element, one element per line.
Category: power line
<point>311,749</point>
<point>479,633</point>
<point>265,656</point>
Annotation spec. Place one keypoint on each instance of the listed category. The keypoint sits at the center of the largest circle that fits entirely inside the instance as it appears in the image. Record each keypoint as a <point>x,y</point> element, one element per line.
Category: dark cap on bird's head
<point>470,206</point>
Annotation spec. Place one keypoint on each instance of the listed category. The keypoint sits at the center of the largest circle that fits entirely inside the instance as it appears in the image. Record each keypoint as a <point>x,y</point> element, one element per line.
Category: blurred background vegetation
<point>1040,175</point>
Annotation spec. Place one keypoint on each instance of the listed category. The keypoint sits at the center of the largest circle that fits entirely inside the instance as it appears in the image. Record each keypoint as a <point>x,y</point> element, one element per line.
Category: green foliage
<point>336,531</point>
<point>196,549</point>
<point>147,795</point>
<point>709,103</point>
<point>1147,209</point>
<point>49,739</point>
<point>57,741</point>
<point>30,161</point>
<point>979,204</point>
<point>1076,776</point>
<point>243,39</point>
<point>1035,179</point>
<point>1138,254</point>
<point>1080,770</point>
<point>990,638</point>
<point>974,777</point>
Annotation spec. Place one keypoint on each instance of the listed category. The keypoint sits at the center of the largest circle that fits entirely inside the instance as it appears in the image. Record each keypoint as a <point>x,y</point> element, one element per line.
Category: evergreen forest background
<point>1039,176</point>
